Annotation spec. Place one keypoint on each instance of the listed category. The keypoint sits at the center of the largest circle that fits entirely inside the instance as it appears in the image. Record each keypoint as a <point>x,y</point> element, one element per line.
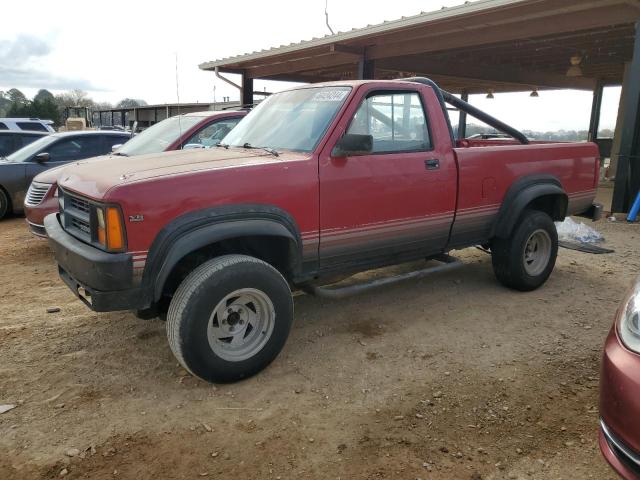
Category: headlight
<point>110,230</point>
<point>629,319</point>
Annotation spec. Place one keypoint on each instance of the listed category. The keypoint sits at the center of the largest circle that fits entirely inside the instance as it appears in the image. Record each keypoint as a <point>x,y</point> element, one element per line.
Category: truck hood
<point>94,178</point>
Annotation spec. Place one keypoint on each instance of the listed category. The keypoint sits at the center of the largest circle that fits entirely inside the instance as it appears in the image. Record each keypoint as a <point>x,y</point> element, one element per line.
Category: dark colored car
<point>13,140</point>
<point>18,169</point>
<point>620,389</point>
<point>317,181</point>
<point>191,130</point>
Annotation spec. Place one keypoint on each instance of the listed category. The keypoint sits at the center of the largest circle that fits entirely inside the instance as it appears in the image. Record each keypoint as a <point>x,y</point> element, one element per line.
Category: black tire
<point>4,204</point>
<point>511,257</point>
<point>193,314</point>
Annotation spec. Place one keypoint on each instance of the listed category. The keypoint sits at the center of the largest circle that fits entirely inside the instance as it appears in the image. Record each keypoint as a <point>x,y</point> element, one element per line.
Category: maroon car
<point>192,130</point>
<point>620,389</point>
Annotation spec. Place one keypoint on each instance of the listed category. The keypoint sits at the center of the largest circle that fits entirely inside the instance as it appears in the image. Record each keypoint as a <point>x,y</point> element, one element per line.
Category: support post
<point>246,95</point>
<point>628,172</point>
<point>366,69</point>
<point>462,118</point>
<point>596,104</point>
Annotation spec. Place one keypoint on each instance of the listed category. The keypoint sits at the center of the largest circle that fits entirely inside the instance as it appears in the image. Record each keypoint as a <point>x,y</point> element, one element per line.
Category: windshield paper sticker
<point>330,96</point>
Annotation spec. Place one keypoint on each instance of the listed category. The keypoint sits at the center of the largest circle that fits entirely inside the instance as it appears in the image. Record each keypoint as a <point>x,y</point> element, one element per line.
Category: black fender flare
<point>198,229</point>
<point>521,193</point>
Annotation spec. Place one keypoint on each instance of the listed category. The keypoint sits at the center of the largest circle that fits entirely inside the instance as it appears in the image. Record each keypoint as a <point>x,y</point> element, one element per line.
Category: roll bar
<point>470,109</point>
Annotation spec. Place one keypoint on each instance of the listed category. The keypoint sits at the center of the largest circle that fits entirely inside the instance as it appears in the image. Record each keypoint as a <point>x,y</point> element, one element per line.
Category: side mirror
<point>116,147</point>
<point>192,146</point>
<point>42,157</point>
<point>352,144</point>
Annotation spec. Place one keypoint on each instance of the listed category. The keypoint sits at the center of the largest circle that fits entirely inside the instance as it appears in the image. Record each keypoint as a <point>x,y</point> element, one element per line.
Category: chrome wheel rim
<point>241,324</point>
<point>537,252</point>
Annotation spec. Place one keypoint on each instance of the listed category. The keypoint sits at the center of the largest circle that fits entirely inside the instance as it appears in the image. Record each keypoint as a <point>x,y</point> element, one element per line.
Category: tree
<point>42,95</point>
<point>73,98</point>
<point>16,96</point>
<point>5,103</point>
<point>130,103</point>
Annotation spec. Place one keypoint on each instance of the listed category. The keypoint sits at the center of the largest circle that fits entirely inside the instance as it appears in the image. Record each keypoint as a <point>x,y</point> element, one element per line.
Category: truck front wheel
<point>229,318</point>
<point>525,260</point>
<point>4,204</point>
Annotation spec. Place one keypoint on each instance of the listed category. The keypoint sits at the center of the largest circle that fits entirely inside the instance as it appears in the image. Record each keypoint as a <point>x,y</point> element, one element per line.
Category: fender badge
<point>136,218</point>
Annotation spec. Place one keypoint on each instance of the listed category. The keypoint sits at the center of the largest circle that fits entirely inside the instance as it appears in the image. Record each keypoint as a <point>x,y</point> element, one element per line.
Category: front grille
<point>36,193</point>
<point>75,215</point>
<point>79,204</point>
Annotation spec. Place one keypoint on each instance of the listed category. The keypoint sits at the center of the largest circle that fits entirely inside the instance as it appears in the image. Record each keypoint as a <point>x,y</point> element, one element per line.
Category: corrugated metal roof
<point>388,25</point>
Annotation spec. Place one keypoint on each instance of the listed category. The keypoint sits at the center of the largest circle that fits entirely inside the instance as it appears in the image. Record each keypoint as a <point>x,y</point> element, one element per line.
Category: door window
<point>75,148</point>
<point>6,145</point>
<point>396,121</point>
<point>212,134</point>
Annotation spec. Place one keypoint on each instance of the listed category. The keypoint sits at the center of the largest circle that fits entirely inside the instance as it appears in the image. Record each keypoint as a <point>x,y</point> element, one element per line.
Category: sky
<point>128,48</point>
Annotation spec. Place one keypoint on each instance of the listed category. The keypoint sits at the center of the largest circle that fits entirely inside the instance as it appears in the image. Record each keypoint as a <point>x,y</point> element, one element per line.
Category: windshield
<point>25,153</point>
<point>157,138</point>
<point>293,120</point>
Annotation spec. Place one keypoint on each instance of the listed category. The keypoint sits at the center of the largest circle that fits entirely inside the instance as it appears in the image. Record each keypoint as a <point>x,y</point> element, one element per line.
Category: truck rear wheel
<point>229,318</point>
<point>525,260</point>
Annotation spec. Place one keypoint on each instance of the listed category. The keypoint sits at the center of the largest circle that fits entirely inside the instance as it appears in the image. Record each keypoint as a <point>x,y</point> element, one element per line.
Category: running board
<point>448,263</point>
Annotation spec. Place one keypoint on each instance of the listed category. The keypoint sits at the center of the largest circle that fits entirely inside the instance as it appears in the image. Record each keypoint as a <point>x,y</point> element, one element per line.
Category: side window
<point>212,134</point>
<point>3,126</point>
<point>110,141</point>
<point>75,148</point>
<point>6,145</point>
<point>34,126</point>
<point>396,121</point>
<point>27,139</point>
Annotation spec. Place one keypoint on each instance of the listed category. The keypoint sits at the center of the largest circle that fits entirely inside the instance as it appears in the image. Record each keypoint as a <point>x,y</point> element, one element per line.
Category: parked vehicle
<point>13,140</point>
<point>619,437</point>
<point>18,169</point>
<point>28,124</point>
<point>193,130</point>
<point>319,180</point>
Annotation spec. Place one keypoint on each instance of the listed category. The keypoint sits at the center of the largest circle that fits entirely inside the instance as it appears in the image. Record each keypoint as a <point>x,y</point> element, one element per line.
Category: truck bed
<point>487,168</point>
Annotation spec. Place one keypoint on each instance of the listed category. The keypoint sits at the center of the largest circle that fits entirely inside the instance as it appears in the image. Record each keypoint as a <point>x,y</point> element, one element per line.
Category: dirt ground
<point>449,377</point>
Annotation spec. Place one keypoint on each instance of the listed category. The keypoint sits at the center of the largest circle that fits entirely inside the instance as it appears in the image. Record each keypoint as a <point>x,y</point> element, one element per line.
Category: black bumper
<point>103,281</point>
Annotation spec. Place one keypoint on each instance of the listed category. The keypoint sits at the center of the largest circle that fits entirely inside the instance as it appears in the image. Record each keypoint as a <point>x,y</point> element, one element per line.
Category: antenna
<point>326,16</point>
<point>178,97</point>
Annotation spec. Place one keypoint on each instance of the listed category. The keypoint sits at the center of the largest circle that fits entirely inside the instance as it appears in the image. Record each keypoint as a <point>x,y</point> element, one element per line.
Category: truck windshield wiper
<point>266,149</point>
<point>120,154</point>
<point>223,145</point>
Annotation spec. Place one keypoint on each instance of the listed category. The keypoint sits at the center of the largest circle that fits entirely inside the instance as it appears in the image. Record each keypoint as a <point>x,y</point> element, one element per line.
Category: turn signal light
<point>115,232</point>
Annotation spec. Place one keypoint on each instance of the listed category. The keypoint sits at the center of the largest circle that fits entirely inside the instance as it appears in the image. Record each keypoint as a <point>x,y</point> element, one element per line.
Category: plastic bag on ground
<point>570,230</point>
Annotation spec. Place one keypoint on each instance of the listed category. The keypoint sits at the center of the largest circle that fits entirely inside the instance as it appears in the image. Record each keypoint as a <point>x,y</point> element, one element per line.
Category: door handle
<point>432,164</point>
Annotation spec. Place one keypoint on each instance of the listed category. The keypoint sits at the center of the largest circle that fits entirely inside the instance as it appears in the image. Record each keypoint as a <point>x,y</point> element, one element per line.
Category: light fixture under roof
<point>534,93</point>
<point>575,70</point>
<point>490,94</point>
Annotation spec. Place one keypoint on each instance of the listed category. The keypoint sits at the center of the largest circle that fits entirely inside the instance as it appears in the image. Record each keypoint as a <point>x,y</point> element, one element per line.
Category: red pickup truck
<point>316,181</point>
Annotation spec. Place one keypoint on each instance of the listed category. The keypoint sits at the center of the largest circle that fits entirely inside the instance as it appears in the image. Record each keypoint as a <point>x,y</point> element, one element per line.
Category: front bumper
<point>620,407</point>
<point>621,458</point>
<point>36,214</point>
<point>103,281</point>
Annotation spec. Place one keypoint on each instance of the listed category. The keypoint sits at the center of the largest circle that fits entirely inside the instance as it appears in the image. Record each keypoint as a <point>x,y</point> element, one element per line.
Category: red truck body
<point>365,200</point>
<point>311,214</point>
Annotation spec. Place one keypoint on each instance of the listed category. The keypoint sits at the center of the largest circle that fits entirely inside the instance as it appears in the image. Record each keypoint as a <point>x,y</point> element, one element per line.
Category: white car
<point>31,124</point>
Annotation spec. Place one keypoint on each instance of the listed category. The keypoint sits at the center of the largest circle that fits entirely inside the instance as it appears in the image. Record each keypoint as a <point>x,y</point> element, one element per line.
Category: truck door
<point>397,201</point>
